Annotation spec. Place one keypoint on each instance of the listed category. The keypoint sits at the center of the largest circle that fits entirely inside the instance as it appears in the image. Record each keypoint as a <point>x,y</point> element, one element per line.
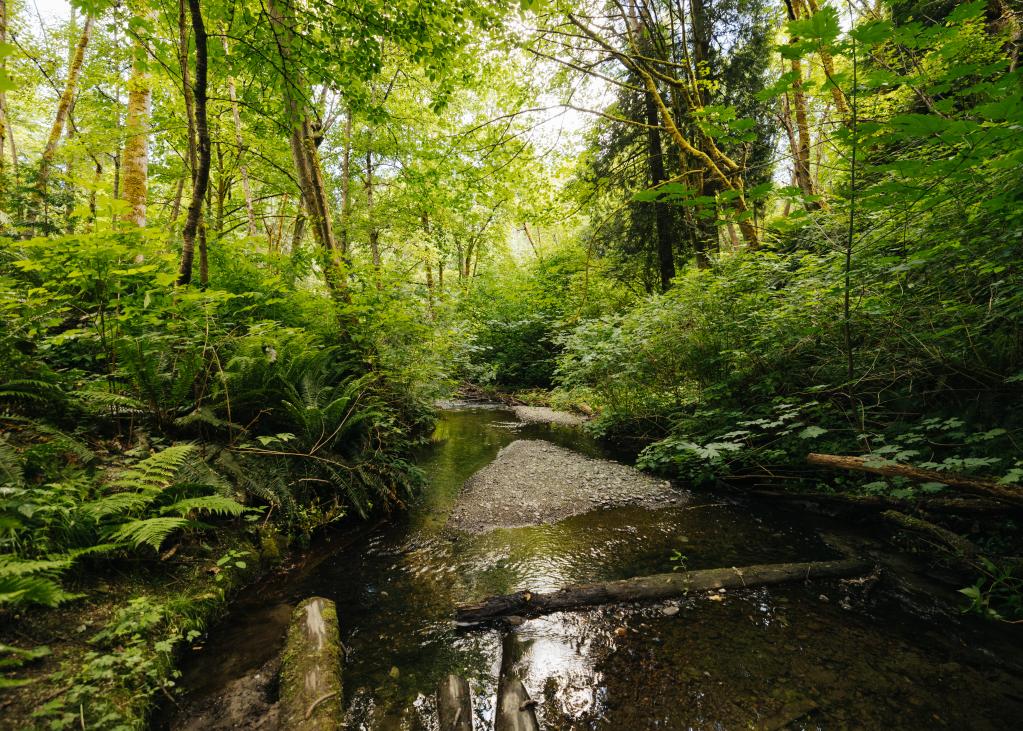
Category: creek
<point>825,655</point>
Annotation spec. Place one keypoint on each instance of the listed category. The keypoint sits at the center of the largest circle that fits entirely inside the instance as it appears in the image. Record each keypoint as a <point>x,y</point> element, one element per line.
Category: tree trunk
<point>202,170</point>
<point>176,206</point>
<point>186,87</point>
<point>801,153</point>
<point>305,152</point>
<point>243,169</point>
<point>828,63</point>
<point>298,231</point>
<point>346,183</point>
<point>662,214</point>
<point>4,124</point>
<point>658,586</point>
<point>974,485</point>
<point>136,144</point>
<point>63,108</point>
<point>454,704</point>
<point>374,232</point>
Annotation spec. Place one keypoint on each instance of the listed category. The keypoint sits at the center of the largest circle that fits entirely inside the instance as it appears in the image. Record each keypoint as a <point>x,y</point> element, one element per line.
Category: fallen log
<point>833,504</point>
<point>960,547</point>
<point>658,586</point>
<point>454,704</point>
<point>974,485</point>
<point>515,710</point>
<point>311,669</point>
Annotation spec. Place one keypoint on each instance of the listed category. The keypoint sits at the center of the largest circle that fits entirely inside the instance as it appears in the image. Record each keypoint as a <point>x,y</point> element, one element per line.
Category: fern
<point>148,531</point>
<point>212,504</point>
<point>104,401</point>
<point>11,466</point>
<point>29,390</point>
<point>24,581</point>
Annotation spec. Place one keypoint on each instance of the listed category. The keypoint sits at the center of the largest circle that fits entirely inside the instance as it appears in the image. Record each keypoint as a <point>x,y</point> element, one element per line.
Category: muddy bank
<point>533,482</point>
<point>545,415</point>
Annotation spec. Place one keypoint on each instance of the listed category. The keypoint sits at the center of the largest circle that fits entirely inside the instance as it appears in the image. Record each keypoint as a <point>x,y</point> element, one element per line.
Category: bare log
<point>515,710</point>
<point>975,485</point>
<point>454,704</point>
<point>311,669</point>
<point>658,586</point>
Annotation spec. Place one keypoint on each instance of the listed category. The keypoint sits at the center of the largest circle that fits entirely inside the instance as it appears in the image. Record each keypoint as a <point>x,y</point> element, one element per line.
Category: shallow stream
<point>803,657</point>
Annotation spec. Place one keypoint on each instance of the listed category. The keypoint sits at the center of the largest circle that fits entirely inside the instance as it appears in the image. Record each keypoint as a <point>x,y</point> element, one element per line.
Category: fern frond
<point>11,465</point>
<point>32,590</point>
<point>212,504</point>
<point>157,471</point>
<point>31,390</point>
<point>105,400</point>
<point>149,531</point>
<point>119,503</point>
<point>11,565</point>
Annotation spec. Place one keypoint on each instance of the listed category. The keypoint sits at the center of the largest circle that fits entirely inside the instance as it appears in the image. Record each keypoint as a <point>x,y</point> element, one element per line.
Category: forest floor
<point>532,482</point>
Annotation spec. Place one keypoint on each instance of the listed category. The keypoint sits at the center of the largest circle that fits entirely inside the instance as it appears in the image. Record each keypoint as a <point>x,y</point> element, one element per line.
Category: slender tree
<point>202,170</point>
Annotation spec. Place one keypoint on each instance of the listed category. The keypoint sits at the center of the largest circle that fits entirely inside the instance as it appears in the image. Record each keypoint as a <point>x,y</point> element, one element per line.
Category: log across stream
<point>826,652</point>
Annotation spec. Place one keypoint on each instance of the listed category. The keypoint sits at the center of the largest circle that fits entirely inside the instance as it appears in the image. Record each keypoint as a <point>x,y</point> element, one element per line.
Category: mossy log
<point>454,704</point>
<point>311,669</point>
<point>658,586</point>
<point>960,547</point>
<point>1012,494</point>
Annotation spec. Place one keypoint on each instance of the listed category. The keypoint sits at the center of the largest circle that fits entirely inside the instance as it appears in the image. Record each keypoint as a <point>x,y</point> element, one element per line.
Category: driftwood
<point>658,586</point>
<point>454,704</point>
<point>311,669</point>
<point>975,485</point>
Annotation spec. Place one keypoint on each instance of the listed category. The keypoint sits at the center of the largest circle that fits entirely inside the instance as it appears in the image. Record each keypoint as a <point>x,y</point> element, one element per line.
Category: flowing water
<point>807,657</point>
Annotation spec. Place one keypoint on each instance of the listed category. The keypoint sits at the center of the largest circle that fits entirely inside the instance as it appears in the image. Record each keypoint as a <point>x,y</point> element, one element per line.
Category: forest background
<point>246,246</point>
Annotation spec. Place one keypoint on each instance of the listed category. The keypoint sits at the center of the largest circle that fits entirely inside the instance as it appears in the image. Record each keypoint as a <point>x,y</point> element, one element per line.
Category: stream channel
<point>824,655</point>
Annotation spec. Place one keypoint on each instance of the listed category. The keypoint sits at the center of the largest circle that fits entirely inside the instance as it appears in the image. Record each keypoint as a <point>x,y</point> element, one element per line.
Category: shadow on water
<point>785,658</point>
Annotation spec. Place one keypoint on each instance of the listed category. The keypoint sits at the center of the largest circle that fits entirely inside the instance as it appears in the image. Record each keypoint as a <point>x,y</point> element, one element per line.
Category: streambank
<point>828,653</point>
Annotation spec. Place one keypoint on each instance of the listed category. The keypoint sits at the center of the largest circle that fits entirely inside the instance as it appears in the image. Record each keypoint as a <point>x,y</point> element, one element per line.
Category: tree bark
<point>136,144</point>
<point>658,586</point>
<point>305,152</point>
<point>63,109</point>
<point>974,485</point>
<point>202,170</point>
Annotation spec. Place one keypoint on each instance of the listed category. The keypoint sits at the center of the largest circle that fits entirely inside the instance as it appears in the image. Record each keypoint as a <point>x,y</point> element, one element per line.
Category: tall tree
<point>60,119</point>
<point>202,170</point>
<point>135,162</point>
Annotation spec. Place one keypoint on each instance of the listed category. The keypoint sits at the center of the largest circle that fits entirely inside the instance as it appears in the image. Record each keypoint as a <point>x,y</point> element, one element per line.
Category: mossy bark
<point>311,669</point>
